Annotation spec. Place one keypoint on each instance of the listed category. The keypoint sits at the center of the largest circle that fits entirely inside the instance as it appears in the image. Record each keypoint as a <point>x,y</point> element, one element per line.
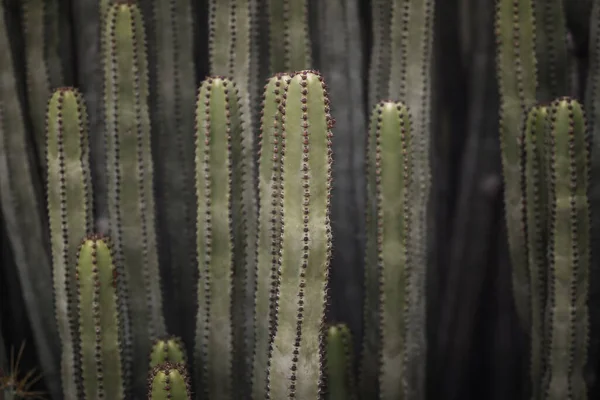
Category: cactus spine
<point>221,238</point>
<point>340,364</point>
<point>388,259</point>
<point>289,40</point>
<point>569,252</point>
<point>170,349</point>
<point>130,182</point>
<point>169,381</point>
<point>43,64</point>
<point>269,230</point>
<point>297,358</point>
<point>517,84</point>
<point>535,185</point>
<point>99,331</point>
<point>70,214</point>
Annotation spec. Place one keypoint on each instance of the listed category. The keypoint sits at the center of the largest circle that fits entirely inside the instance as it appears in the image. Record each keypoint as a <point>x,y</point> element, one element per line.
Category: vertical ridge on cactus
<point>169,381</point>
<point>295,369</point>
<point>174,92</point>
<point>380,67</point>
<point>517,85</point>
<point>70,214</point>
<point>130,183</point>
<point>569,252</point>
<point>221,235</point>
<point>269,230</point>
<point>289,39</point>
<point>340,364</point>
<point>535,182</point>
<point>167,349</point>
<point>43,64</point>
<point>101,368</point>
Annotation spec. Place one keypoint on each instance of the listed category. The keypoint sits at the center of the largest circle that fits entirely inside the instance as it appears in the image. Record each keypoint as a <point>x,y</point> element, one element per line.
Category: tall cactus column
<point>130,183</point>
<point>221,241</point>
<point>70,212</point>
<point>297,359</point>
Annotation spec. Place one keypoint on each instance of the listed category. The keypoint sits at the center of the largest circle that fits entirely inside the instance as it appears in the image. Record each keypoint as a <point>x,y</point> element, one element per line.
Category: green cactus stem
<point>169,381</point>
<point>388,258</point>
<point>22,213</point>
<point>70,213</point>
<point>380,67</point>
<point>41,19</point>
<point>289,39</point>
<point>130,183</point>
<point>340,364</point>
<point>517,85</point>
<point>569,252</point>
<point>536,211</point>
<point>99,325</point>
<point>551,49</point>
<point>173,127</point>
<point>297,358</point>
<point>169,349</point>
<point>221,237</point>
<point>269,230</point>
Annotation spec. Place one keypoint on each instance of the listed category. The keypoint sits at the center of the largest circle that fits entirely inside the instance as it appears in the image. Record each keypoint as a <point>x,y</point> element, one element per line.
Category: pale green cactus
<point>70,213</point>
<point>168,349</point>
<point>99,326</point>
<point>340,364</point>
<point>169,381</point>
<point>297,354</point>
<point>221,240</point>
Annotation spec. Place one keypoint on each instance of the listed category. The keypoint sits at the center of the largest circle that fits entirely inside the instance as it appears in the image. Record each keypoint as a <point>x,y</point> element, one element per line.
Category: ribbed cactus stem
<point>535,183</point>
<point>379,69</point>
<point>130,182</point>
<point>99,326</point>
<point>340,364</point>
<point>569,252</point>
<point>221,237</point>
<point>269,230</point>
<point>41,20</point>
<point>289,39</point>
<point>168,349</point>
<point>297,360</point>
<point>517,85</point>
<point>169,381</point>
<point>70,213</point>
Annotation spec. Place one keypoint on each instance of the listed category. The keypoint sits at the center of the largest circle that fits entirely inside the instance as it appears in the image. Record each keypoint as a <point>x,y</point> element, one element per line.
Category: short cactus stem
<point>99,327</point>
<point>221,237</point>
<point>168,349</point>
<point>569,252</point>
<point>340,364</point>
<point>297,360</point>
<point>70,213</point>
<point>169,381</point>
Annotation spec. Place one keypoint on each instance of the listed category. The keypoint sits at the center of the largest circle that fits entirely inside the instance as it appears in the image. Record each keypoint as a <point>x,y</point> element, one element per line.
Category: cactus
<point>289,39</point>
<point>70,212</point>
<point>340,364</point>
<point>169,381</point>
<point>99,326</point>
<point>297,353</point>
<point>221,238</point>
<point>168,349</point>
<point>130,184</point>
<point>43,64</point>
<point>388,263</point>
<point>536,212</point>
<point>14,385</point>
<point>517,85</point>
<point>379,69</point>
<point>173,93</point>
<point>569,252</point>
<point>269,230</point>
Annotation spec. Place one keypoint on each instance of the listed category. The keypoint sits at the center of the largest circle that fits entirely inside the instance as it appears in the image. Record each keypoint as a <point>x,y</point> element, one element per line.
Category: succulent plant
<point>168,349</point>
<point>340,364</point>
<point>169,381</point>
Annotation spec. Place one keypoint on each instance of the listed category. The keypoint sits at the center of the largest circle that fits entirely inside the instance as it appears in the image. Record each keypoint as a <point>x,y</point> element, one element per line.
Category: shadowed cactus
<point>221,240</point>
<point>289,39</point>
<point>169,349</point>
<point>340,364</point>
<point>296,362</point>
<point>269,230</point>
<point>169,381</point>
<point>70,212</point>
<point>388,262</point>
<point>99,327</point>
<point>569,252</point>
<point>130,184</point>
